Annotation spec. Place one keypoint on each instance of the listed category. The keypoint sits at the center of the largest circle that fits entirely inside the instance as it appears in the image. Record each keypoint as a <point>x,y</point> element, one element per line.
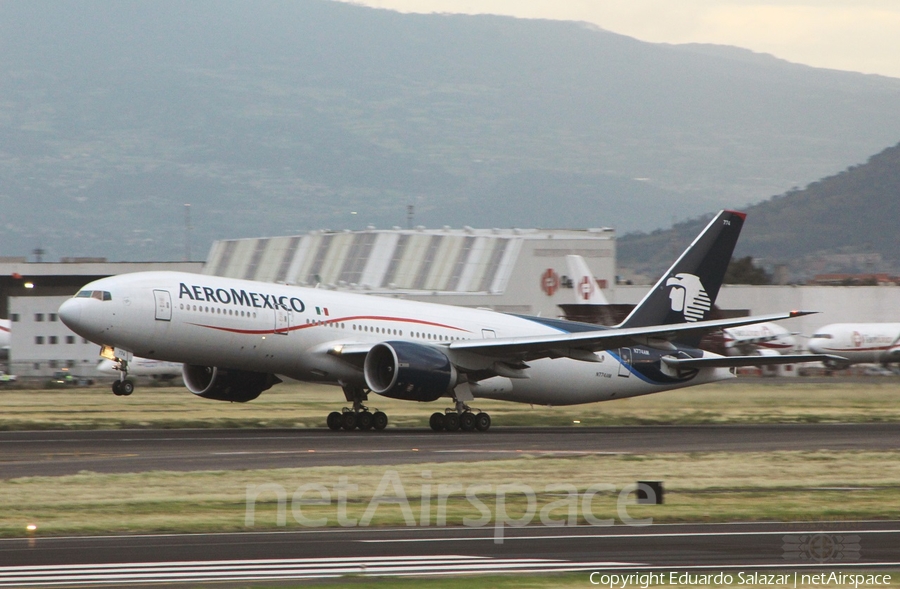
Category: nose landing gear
<point>122,387</point>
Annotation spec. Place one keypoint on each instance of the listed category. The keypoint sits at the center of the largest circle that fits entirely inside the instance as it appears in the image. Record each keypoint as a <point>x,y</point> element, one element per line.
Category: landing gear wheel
<point>117,388</point>
<point>467,421</point>
<point>437,422</point>
<point>334,421</point>
<point>126,387</point>
<point>348,421</point>
<point>379,420</point>
<point>364,420</point>
<point>451,422</point>
<point>482,422</point>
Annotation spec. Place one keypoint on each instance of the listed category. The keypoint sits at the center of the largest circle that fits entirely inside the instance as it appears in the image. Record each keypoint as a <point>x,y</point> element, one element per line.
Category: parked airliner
<point>762,339</point>
<point>858,343</point>
<point>235,336</point>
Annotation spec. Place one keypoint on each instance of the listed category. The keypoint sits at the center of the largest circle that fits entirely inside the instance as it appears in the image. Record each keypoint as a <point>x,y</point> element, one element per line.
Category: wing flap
<point>738,361</point>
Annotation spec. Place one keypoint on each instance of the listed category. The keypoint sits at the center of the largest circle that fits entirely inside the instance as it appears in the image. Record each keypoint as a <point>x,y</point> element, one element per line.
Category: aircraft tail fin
<point>587,291</point>
<point>688,290</point>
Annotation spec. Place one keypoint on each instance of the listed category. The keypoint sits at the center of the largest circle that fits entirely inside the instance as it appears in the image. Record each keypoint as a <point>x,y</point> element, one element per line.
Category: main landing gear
<point>460,418</point>
<point>358,417</point>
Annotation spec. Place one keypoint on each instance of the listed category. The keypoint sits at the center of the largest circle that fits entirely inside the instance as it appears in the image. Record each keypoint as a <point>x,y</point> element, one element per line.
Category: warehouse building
<point>509,270</point>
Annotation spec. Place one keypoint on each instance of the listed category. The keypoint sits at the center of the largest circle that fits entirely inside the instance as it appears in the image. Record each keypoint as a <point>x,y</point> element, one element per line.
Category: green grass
<point>750,400</point>
<point>700,487</point>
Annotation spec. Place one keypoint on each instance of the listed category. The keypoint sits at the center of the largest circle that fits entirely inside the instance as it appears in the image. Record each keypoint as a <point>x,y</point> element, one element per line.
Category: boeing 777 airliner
<point>235,336</point>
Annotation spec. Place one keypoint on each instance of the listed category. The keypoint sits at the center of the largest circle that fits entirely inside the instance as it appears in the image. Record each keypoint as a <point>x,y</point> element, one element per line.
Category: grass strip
<point>699,487</point>
<point>298,405</point>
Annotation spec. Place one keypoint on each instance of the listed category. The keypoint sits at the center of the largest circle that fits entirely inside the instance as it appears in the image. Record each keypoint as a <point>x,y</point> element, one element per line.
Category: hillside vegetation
<point>846,222</point>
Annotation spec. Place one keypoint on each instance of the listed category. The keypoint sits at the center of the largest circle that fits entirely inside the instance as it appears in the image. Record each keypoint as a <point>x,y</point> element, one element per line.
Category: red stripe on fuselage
<point>327,322</point>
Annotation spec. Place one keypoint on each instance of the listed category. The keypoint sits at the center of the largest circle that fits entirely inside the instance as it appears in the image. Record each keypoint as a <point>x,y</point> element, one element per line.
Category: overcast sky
<point>856,35</point>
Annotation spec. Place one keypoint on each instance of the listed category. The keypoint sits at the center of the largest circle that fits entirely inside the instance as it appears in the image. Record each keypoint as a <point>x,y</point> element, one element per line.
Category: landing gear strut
<point>357,417</point>
<point>122,387</point>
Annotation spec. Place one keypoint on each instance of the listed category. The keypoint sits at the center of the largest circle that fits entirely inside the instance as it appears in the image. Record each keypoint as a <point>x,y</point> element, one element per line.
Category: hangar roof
<point>439,260</point>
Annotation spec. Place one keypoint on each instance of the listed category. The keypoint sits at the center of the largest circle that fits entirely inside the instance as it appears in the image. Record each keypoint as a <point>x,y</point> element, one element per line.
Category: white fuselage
<point>762,338</point>
<point>859,343</point>
<point>288,330</point>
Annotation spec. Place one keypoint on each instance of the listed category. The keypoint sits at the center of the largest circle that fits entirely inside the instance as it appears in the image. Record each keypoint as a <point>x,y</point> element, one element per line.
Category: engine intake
<point>408,371</point>
<point>237,386</point>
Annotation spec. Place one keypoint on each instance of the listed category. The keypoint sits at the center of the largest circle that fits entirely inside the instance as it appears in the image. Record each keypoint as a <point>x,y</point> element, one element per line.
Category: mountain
<point>280,116</point>
<point>843,223</point>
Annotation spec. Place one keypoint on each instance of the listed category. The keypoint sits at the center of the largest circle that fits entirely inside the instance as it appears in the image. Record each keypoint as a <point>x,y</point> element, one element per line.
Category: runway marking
<point>275,569</point>
<point>258,452</point>
<point>542,452</point>
<point>508,531</point>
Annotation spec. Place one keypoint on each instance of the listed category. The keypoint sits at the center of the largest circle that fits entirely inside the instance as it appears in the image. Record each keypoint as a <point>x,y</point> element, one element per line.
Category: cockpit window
<point>100,295</point>
<point>822,336</point>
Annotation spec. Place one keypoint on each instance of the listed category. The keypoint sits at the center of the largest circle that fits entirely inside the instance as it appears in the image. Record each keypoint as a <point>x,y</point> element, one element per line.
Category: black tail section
<point>688,290</point>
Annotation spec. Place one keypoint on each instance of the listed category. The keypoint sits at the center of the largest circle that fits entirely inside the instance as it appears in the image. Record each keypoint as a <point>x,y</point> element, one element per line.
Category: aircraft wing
<point>581,345</point>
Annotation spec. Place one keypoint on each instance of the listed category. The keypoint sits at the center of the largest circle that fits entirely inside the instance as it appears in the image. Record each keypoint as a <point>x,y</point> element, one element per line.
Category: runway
<point>53,453</point>
<point>277,556</point>
<point>259,557</point>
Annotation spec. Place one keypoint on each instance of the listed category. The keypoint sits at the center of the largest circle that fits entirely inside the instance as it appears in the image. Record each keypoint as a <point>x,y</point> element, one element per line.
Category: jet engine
<point>408,371</point>
<point>237,386</point>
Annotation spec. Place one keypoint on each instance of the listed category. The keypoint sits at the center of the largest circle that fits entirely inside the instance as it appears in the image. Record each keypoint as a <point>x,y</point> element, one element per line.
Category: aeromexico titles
<point>234,336</point>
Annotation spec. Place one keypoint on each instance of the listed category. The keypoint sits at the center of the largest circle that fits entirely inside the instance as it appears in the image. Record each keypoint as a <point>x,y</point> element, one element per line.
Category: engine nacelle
<point>237,386</point>
<point>408,371</point>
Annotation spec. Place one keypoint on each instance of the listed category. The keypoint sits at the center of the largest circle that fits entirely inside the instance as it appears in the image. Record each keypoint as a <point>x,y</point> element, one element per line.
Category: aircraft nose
<point>70,314</point>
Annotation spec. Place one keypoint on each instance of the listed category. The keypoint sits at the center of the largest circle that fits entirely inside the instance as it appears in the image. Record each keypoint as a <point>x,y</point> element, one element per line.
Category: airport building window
<point>70,339</point>
<point>52,317</point>
<point>37,365</point>
<point>70,363</point>
<point>38,317</point>
<point>53,339</point>
<point>53,364</point>
<point>39,340</point>
<point>14,317</point>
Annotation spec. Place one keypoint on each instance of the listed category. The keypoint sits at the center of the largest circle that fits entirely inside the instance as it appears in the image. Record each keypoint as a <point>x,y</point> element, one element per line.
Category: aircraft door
<point>163,305</point>
<point>625,358</point>
<point>282,321</point>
